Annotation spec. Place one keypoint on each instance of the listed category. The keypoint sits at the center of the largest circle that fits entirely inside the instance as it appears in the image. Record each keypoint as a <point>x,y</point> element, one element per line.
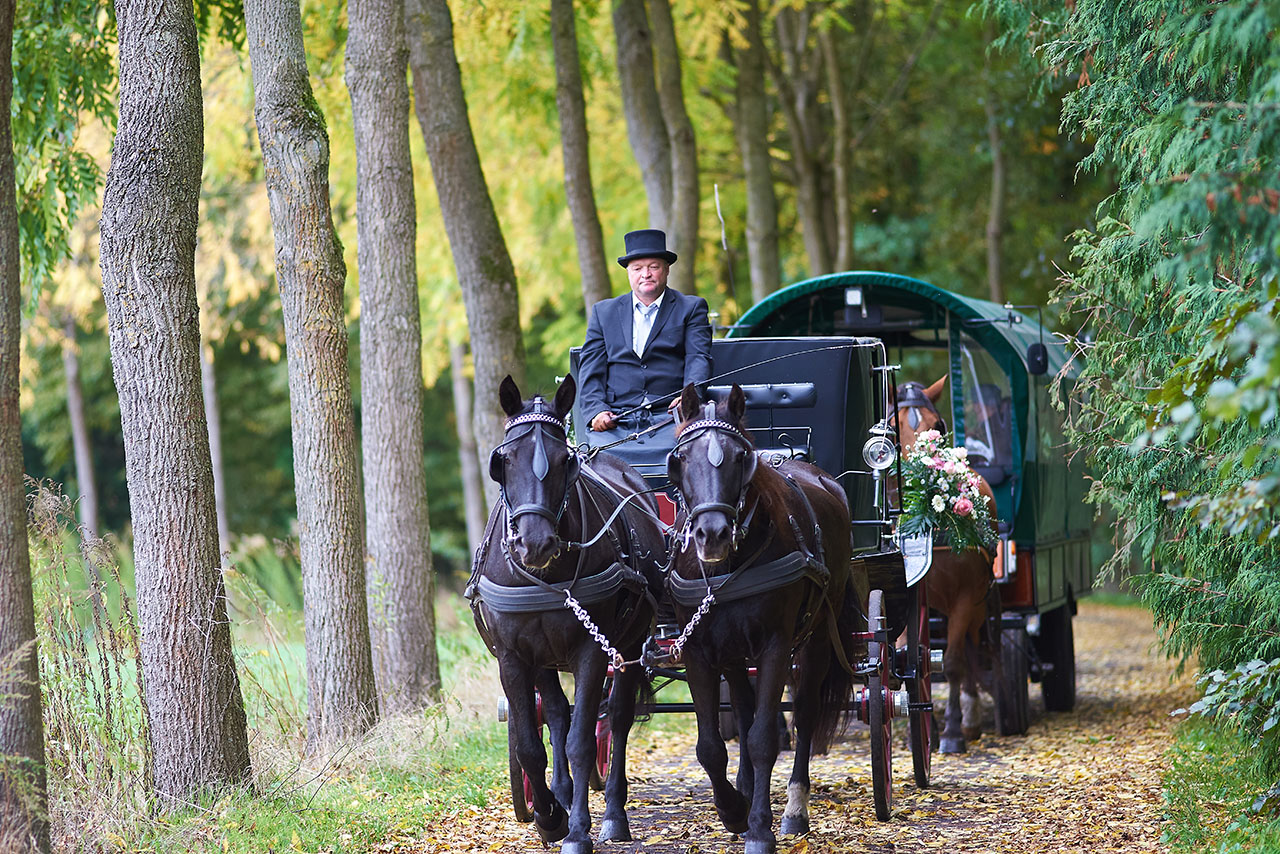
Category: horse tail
<point>836,693</point>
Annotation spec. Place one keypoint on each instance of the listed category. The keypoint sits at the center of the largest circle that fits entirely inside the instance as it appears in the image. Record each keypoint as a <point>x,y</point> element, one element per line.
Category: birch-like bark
<point>640,105</point>
<point>209,391</point>
<point>148,238</point>
<point>995,208</point>
<point>472,483</point>
<point>400,579</point>
<point>85,482</point>
<point>685,196</point>
<point>341,693</point>
<point>580,192</point>
<point>480,256</point>
<point>24,805</point>
<point>752,131</point>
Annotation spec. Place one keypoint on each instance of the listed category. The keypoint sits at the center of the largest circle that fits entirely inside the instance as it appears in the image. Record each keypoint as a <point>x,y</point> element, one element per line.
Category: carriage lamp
<point>879,452</point>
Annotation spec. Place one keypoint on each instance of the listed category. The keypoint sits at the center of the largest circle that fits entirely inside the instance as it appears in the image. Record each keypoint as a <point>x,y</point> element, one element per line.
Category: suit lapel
<point>664,311</point>
<point>624,312</point>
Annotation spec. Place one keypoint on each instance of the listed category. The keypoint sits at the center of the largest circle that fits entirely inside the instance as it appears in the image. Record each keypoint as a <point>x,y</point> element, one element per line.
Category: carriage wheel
<point>1013,713</point>
<point>604,744</point>
<point>920,691</point>
<point>1056,645</point>
<point>521,788</point>
<point>877,712</point>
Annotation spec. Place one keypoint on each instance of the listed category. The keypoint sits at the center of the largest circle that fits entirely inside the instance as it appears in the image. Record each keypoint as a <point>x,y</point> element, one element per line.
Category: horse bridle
<point>913,399</point>
<point>541,465</point>
<point>716,456</point>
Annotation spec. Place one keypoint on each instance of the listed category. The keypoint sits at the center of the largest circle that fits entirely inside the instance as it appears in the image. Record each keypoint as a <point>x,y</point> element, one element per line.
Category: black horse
<point>569,566</point>
<point>761,576</point>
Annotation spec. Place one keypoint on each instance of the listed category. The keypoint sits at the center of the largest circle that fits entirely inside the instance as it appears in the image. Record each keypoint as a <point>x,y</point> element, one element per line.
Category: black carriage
<point>1000,364</point>
<point>825,399</point>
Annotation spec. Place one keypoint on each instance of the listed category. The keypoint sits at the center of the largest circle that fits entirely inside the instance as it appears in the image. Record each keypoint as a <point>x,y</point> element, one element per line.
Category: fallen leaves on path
<point>1084,781</point>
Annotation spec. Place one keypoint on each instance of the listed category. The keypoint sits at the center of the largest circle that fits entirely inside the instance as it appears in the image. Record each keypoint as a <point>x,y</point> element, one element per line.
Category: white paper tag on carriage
<point>917,555</point>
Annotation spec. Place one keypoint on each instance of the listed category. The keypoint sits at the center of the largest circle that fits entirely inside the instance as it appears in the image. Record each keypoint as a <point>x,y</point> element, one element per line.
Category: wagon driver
<point>641,349</point>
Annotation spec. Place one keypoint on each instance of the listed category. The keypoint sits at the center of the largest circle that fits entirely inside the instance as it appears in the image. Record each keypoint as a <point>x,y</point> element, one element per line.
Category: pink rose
<point>962,506</point>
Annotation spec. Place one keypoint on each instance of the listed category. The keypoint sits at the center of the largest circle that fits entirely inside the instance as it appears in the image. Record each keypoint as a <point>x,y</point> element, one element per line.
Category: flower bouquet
<point>940,495</point>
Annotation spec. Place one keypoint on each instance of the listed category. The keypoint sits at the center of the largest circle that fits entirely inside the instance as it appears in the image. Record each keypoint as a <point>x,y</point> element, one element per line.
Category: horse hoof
<point>954,745</point>
<point>760,846</point>
<point>583,847</point>
<point>558,827</point>
<point>733,824</point>
<point>972,734</point>
<point>615,830</point>
<point>795,825</point>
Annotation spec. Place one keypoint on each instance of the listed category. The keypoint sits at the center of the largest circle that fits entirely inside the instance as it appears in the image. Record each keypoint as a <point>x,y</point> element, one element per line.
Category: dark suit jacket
<point>612,377</point>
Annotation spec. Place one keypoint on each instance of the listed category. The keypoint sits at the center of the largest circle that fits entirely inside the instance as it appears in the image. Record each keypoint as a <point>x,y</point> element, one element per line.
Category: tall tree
<point>24,822</point>
<point>209,395</point>
<point>148,236</point>
<point>995,206</point>
<point>643,111</point>
<point>578,188</point>
<point>685,196</point>
<point>86,484</point>
<point>469,462</point>
<point>751,127</point>
<point>400,579</point>
<point>341,691</point>
<point>480,256</point>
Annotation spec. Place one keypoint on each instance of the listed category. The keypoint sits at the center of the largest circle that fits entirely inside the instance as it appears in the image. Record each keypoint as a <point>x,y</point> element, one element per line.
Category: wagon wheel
<point>521,788</point>
<point>877,712</point>
<point>920,690</point>
<point>1056,645</point>
<point>1013,714</point>
<point>604,744</point>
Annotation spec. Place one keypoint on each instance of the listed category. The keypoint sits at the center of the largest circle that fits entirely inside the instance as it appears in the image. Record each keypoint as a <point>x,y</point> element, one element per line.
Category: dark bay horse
<point>760,576</point>
<point>569,565</point>
<point>960,586</point>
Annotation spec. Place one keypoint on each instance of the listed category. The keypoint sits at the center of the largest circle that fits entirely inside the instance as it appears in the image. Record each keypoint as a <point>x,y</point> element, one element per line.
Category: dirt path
<point>1086,781</point>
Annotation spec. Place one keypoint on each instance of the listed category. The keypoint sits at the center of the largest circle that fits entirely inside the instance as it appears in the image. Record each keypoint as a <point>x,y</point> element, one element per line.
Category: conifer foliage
<point>1176,291</point>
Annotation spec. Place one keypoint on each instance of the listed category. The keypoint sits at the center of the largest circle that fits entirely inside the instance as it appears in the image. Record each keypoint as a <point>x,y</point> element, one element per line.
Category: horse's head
<point>918,411</point>
<point>712,464</point>
<point>536,470</point>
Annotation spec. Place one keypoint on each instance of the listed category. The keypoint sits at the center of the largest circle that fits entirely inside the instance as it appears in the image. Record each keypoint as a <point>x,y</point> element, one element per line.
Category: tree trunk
<point>578,188</point>
<point>840,154</point>
<point>472,482</point>
<point>24,805</point>
<point>797,94</point>
<point>752,131</point>
<point>209,389</point>
<point>85,482</point>
<point>995,210</point>
<point>645,126</point>
<point>485,272</point>
<point>685,195</point>
<point>341,693</point>
<point>401,581</point>
<point>148,239</point>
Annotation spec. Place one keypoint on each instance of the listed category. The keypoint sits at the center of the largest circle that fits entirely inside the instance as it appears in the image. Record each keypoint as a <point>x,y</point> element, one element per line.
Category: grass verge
<point>1212,782</point>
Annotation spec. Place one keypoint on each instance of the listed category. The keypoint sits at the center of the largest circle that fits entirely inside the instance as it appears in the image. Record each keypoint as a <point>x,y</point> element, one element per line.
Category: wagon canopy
<point>980,345</point>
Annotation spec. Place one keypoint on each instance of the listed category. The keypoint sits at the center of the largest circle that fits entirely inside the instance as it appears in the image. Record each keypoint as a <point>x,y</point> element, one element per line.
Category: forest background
<point>1115,161</point>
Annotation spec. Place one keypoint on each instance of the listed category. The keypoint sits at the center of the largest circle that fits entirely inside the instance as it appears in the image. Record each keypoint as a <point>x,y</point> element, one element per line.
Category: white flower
<point>938,504</point>
<point>962,453</point>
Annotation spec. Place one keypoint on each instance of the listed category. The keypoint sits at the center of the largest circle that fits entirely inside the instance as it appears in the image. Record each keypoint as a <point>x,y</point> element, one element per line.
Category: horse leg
<point>622,714</point>
<point>550,818</point>
<point>811,664</point>
<point>953,664</point>
<point>704,687</point>
<point>588,679</point>
<point>772,671</point>
<point>970,704</point>
<point>555,711</point>
<point>742,697</point>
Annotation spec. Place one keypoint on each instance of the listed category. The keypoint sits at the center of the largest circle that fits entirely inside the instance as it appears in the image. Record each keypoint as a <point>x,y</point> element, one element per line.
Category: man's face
<point>648,278</point>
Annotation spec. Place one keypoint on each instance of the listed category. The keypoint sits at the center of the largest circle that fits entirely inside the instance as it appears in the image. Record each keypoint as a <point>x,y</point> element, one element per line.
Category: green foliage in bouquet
<point>940,495</point>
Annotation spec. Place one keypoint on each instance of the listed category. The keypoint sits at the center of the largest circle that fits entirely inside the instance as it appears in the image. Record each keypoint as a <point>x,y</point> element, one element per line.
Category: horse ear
<point>509,397</point>
<point>934,391</point>
<point>737,402</point>
<point>564,396</point>
<point>689,402</point>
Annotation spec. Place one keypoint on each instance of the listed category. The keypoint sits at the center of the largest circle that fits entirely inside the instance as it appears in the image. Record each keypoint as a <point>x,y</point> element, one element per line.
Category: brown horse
<point>761,569</point>
<point>958,585</point>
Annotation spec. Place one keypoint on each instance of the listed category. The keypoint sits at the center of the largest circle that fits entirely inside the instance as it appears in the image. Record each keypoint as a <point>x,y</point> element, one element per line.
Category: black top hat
<point>646,243</point>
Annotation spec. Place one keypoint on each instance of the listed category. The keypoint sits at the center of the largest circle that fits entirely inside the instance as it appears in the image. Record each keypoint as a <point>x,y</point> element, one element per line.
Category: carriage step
<point>503,710</point>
